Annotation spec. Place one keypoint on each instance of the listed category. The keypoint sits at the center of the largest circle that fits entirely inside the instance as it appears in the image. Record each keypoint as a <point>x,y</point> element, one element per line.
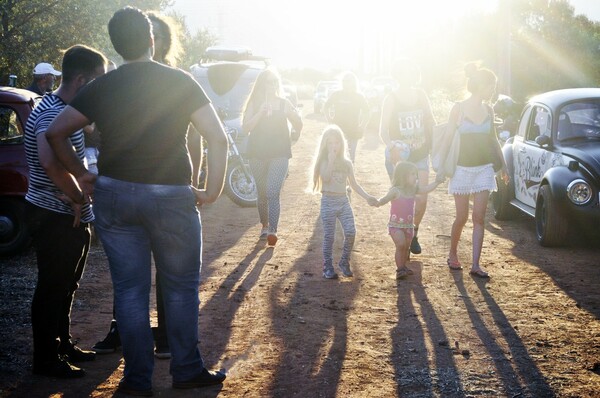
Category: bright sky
<point>327,33</point>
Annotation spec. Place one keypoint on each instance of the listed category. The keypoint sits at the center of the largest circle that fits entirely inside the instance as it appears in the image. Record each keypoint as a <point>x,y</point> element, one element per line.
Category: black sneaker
<point>415,247</point>
<point>58,368</point>
<point>125,389</point>
<point>162,351</point>
<point>72,353</point>
<point>111,343</point>
<point>204,379</point>
<point>161,344</point>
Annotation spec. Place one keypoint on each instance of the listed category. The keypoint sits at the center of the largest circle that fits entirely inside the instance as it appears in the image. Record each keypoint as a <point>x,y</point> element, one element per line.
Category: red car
<point>15,107</point>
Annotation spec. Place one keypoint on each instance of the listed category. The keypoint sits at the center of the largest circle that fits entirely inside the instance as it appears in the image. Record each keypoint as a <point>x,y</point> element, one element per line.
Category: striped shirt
<point>42,192</point>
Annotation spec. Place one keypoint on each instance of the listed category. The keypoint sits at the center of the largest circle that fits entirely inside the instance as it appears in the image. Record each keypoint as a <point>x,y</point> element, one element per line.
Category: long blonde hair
<point>257,95</point>
<point>323,153</point>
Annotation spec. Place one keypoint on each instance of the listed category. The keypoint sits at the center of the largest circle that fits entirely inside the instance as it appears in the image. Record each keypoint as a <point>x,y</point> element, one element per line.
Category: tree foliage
<point>533,45</point>
<point>34,31</point>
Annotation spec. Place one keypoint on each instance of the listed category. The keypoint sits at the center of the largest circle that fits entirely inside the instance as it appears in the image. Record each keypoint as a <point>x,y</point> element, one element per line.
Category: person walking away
<point>473,119</point>
<point>331,175</point>
<point>44,77</point>
<point>265,119</point>
<point>144,202</point>
<point>348,108</point>
<point>406,117</point>
<point>59,219</point>
<point>402,195</point>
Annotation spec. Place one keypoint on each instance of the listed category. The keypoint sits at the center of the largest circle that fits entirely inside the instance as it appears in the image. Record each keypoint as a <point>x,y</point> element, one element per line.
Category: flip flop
<point>479,273</point>
<point>454,266</point>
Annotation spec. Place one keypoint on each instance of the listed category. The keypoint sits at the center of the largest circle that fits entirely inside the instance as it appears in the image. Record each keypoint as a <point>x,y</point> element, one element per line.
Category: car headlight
<point>579,192</point>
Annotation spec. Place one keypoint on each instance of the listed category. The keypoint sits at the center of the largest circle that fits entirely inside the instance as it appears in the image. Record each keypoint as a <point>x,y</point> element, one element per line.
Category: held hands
<point>86,182</point>
<point>372,201</point>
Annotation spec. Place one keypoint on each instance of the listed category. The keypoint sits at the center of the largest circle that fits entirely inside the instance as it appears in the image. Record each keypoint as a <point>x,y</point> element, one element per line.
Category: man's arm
<point>62,127</point>
<point>206,121</point>
<point>194,144</point>
<point>56,172</point>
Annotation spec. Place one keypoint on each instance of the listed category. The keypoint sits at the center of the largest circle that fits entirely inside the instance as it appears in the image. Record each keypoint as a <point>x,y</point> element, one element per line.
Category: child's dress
<point>402,212</point>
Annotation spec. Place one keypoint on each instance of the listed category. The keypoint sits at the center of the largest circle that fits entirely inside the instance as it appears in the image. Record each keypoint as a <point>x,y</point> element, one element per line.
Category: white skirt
<point>468,180</point>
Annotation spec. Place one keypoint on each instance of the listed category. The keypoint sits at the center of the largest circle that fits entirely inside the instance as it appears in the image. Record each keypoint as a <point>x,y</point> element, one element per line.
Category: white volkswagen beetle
<point>554,165</point>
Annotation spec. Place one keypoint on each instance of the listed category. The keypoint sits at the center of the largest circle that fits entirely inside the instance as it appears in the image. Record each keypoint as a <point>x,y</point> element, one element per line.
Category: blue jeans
<point>135,221</point>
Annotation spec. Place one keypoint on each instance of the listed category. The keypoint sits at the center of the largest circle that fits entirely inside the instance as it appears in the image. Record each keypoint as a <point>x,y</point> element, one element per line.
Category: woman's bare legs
<point>480,201</point>
<point>461,203</point>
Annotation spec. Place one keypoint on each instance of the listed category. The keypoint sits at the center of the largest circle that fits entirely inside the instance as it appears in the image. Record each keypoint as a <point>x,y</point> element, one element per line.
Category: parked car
<point>554,165</point>
<point>291,92</point>
<point>15,107</point>
<point>323,91</point>
<point>227,75</point>
<point>376,90</point>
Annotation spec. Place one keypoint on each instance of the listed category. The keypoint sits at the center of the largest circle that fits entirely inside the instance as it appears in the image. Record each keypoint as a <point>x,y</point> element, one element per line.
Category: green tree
<point>551,47</point>
<point>33,31</point>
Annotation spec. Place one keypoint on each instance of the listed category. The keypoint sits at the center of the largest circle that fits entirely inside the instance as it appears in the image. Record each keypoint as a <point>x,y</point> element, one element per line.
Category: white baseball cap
<point>44,69</point>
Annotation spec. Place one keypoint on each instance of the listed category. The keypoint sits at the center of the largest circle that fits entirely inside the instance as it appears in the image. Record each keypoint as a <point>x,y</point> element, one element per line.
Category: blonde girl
<point>402,195</point>
<point>333,170</point>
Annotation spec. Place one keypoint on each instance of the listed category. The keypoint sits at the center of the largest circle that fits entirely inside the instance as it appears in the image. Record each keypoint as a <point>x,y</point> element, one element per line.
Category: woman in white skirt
<point>479,154</point>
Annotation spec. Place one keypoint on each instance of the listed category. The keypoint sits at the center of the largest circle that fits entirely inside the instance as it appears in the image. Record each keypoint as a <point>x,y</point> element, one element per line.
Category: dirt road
<point>281,330</point>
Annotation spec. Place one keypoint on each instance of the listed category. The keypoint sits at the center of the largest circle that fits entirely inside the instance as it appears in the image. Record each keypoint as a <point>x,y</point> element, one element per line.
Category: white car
<point>227,75</point>
<point>553,163</point>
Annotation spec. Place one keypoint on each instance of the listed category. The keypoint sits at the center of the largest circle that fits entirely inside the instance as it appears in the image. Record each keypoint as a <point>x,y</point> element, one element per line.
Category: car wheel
<point>14,229</point>
<point>503,210</point>
<point>550,225</point>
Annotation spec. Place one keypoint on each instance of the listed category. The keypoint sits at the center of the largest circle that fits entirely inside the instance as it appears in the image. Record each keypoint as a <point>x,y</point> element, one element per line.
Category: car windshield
<point>579,120</point>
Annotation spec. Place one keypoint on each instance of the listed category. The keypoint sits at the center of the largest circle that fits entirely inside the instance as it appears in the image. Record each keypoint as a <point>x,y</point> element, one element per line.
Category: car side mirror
<point>542,140</point>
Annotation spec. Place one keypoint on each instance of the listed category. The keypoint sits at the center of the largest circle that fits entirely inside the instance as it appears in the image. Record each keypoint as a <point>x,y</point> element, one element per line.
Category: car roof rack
<point>232,54</point>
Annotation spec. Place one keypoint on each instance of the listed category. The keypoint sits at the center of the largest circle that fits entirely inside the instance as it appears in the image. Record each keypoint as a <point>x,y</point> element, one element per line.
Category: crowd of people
<point>142,123</point>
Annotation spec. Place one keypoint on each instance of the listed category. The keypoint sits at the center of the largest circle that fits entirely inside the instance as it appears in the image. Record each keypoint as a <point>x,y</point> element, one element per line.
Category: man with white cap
<point>44,76</point>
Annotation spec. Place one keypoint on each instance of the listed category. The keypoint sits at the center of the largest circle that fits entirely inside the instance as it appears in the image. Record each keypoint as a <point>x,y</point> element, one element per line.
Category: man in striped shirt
<point>60,218</point>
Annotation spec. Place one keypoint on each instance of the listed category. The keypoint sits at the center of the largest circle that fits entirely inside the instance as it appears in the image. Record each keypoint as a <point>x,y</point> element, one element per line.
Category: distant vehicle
<point>15,107</point>
<point>376,90</point>
<point>290,91</point>
<point>554,165</point>
<point>227,75</point>
<point>323,91</point>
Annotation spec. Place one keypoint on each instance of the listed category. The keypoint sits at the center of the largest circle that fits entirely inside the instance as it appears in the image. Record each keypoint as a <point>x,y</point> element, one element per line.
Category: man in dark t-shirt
<point>143,201</point>
<point>349,109</point>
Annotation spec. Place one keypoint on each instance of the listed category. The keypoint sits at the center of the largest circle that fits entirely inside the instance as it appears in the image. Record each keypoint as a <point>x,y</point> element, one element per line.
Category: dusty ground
<point>281,330</point>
